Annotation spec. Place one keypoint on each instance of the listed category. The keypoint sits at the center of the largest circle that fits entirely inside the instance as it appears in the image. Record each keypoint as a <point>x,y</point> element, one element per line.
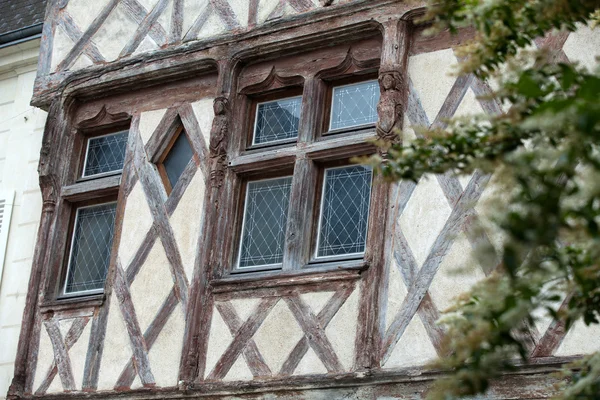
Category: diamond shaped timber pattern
<point>417,281</point>
<point>313,327</point>
<point>298,6</point>
<point>463,214</point>
<point>161,209</point>
<point>61,346</point>
<point>219,7</point>
<point>148,25</point>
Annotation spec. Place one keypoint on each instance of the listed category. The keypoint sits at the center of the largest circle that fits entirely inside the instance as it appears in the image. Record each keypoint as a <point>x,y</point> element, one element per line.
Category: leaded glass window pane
<point>354,105</point>
<point>277,120</point>
<point>178,158</point>
<point>344,211</point>
<point>105,153</point>
<point>265,219</point>
<point>90,248</point>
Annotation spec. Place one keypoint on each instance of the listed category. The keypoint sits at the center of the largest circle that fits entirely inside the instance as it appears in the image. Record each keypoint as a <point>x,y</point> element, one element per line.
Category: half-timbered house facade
<point>204,232</point>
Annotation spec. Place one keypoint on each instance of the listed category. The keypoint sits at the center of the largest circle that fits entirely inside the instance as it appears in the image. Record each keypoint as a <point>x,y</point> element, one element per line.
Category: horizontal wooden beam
<point>90,189</point>
<point>532,381</point>
<point>334,147</point>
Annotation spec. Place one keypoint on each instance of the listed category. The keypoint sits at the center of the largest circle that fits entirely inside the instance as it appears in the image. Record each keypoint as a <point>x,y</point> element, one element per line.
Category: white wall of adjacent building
<point>21,129</point>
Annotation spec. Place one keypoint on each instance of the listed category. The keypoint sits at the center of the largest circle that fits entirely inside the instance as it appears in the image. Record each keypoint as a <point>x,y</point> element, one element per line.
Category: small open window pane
<point>178,158</point>
<point>105,153</point>
<point>90,248</point>
<point>344,211</point>
<point>277,120</point>
<point>265,220</point>
<point>354,105</point>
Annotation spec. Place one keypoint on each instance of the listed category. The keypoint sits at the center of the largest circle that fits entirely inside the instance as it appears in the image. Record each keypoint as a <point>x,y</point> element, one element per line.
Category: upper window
<point>354,105</point>
<point>277,120</point>
<point>105,154</point>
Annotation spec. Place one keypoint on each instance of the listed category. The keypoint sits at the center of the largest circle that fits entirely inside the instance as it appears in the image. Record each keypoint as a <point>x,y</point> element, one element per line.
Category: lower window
<point>344,211</point>
<point>264,223</point>
<point>340,222</point>
<point>90,249</point>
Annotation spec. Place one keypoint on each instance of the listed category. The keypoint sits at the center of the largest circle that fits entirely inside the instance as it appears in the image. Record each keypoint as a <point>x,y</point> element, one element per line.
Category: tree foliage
<point>545,151</point>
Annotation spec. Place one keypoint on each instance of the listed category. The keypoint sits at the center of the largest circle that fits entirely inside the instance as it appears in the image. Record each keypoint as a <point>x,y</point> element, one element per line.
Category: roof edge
<point>20,35</point>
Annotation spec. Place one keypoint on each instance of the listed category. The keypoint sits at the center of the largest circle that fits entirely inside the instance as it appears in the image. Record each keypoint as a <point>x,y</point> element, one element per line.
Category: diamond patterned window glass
<point>277,120</point>
<point>344,211</point>
<point>90,248</point>
<point>354,105</point>
<point>265,220</point>
<point>105,153</point>
<point>178,158</point>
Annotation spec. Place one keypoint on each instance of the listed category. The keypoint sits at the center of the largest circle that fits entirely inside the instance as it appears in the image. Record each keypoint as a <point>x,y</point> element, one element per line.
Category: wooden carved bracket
<point>273,81</point>
<point>219,141</point>
<point>391,105</point>
<point>103,118</point>
<point>349,65</point>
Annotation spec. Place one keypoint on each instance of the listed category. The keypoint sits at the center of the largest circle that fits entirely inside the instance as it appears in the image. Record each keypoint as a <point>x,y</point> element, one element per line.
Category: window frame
<point>162,171</point>
<point>85,154</point>
<point>252,116</point>
<point>317,217</point>
<point>240,226</point>
<point>255,163</point>
<point>69,248</point>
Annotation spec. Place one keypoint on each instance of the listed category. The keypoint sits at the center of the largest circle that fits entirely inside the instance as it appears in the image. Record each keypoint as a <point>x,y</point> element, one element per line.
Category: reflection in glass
<point>277,120</point>
<point>354,105</point>
<point>105,153</point>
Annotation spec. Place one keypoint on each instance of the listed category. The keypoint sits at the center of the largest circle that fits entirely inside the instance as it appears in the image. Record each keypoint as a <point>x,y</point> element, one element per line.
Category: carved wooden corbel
<point>390,108</point>
<point>47,165</point>
<point>219,140</point>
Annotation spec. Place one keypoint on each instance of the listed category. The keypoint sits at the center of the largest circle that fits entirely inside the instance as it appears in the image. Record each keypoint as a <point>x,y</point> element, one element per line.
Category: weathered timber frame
<point>235,69</point>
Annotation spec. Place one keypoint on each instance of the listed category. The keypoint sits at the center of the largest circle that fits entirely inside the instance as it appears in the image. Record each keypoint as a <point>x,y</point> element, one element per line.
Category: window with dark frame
<point>92,223</point>
<point>104,154</point>
<point>90,246</point>
<point>174,159</point>
<point>354,105</point>
<point>338,219</point>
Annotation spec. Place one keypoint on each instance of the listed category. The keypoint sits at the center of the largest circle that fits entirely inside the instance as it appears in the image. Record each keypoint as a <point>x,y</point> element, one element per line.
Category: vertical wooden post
<point>211,248</point>
<point>390,109</point>
<point>26,357</point>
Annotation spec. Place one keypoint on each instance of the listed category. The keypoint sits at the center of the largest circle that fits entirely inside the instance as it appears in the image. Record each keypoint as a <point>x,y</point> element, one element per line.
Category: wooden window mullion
<point>297,239</point>
<point>313,99</point>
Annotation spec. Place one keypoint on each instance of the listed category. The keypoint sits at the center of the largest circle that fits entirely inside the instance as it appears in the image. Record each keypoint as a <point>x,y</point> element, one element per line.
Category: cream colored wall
<point>21,128</point>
